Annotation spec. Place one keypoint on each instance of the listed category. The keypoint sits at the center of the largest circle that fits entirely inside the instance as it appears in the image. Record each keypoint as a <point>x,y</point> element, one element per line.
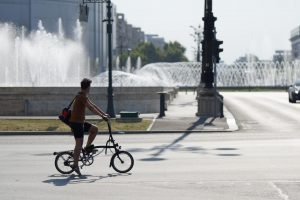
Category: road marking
<point>280,192</point>
<point>151,125</point>
<point>231,122</point>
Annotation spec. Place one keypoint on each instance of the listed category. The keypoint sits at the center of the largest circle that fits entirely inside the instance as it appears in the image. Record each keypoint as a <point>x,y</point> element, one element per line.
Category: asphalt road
<point>265,112</point>
<point>261,161</point>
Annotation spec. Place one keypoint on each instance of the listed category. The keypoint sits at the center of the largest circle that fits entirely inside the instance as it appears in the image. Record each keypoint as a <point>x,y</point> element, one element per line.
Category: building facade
<point>158,42</point>
<point>247,58</point>
<point>128,36</point>
<point>295,40</point>
<point>282,56</point>
<point>28,13</point>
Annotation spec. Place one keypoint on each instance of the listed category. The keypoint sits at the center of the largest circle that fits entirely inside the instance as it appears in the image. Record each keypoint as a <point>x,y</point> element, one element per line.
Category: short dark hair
<point>85,83</point>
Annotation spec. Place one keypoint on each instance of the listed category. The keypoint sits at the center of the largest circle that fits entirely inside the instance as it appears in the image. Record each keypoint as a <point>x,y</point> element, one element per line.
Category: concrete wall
<point>50,101</point>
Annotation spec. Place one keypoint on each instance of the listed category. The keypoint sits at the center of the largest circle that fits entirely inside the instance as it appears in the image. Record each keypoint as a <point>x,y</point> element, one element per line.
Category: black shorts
<point>79,129</point>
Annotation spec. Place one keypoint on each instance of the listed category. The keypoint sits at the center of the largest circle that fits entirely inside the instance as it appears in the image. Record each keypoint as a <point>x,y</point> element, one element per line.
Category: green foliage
<point>172,52</point>
<point>148,53</point>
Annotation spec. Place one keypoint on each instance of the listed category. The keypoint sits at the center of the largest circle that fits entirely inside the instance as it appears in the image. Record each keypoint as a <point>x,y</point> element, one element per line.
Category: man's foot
<point>77,170</point>
<point>89,149</point>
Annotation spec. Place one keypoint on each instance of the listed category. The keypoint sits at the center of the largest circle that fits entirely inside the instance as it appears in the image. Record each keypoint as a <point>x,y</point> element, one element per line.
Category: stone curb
<point>231,122</point>
<point>106,133</point>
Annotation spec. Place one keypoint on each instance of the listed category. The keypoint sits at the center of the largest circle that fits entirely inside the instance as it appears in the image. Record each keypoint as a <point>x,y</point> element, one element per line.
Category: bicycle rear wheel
<point>63,162</point>
<point>122,162</point>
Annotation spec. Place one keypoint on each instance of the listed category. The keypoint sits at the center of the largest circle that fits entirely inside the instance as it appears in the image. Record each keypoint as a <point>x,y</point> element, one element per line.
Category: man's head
<point>86,85</point>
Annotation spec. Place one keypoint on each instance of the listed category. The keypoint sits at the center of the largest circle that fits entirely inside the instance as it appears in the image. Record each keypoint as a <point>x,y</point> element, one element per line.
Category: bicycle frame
<point>110,140</point>
<point>107,145</point>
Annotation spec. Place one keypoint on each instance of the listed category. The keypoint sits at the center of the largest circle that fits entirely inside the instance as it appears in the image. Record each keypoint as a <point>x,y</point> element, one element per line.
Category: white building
<point>295,40</point>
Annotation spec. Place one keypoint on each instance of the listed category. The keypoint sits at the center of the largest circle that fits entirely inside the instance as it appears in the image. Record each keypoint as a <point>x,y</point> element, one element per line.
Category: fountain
<point>118,63</point>
<point>258,74</point>
<point>128,65</point>
<point>40,58</point>
<point>138,63</point>
<point>242,74</point>
<point>60,31</point>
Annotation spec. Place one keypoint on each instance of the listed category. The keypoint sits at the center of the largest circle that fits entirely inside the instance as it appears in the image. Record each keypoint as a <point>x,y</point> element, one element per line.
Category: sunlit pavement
<point>181,116</point>
<point>261,161</point>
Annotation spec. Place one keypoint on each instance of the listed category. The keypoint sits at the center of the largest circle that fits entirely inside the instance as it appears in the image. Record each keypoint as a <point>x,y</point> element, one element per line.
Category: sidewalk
<point>181,116</point>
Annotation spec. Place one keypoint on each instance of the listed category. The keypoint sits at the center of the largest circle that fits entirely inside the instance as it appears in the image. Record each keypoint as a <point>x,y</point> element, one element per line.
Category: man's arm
<point>92,107</point>
<point>97,108</point>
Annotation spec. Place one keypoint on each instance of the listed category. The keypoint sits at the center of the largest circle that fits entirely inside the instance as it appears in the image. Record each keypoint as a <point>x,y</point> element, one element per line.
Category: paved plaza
<point>181,116</point>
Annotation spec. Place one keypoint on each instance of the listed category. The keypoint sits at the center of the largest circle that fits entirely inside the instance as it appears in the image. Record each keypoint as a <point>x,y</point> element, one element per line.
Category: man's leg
<point>92,135</point>
<point>77,150</point>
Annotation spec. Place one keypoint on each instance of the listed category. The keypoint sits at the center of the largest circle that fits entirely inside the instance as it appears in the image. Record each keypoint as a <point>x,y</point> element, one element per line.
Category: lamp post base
<point>210,103</point>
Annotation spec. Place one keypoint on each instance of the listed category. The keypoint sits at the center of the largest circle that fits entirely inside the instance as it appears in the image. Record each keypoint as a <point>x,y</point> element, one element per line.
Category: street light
<point>84,17</point>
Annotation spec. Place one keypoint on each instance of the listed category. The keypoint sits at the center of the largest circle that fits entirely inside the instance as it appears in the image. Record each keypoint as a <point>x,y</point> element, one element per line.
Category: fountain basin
<point>49,101</point>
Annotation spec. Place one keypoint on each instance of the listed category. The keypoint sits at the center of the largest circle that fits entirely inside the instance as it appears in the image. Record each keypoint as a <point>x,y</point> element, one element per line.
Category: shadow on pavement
<point>63,180</point>
<point>186,104</point>
<point>175,144</point>
<point>229,154</point>
<point>210,123</point>
<point>226,149</point>
<point>153,159</point>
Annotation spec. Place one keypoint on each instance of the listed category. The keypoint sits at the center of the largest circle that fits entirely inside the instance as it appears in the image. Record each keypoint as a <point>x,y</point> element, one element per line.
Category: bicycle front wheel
<point>64,162</point>
<point>122,162</point>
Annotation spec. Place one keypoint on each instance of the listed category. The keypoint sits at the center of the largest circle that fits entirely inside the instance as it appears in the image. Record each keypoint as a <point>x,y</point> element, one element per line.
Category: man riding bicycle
<point>78,124</point>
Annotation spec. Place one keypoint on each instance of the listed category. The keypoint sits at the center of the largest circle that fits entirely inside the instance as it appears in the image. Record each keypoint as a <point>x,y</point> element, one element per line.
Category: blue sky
<point>247,26</point>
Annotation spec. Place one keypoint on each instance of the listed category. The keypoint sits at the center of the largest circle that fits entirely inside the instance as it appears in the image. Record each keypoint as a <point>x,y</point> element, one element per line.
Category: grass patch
<point>57,126</point>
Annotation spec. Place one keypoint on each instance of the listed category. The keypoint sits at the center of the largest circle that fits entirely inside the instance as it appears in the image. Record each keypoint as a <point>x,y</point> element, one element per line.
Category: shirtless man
<point>78,124</point>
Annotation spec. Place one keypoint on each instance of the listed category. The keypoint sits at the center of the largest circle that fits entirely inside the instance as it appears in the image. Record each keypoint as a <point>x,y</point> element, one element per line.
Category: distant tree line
<point>171,52</point>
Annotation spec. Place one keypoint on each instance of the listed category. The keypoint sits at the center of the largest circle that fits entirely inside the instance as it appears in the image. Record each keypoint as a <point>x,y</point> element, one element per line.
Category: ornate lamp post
<point>207,76</point>
<point>109,21</point>
<point>210,102</point>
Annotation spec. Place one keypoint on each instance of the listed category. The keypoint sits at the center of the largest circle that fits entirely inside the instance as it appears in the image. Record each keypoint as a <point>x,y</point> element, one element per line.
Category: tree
<point>147,51</point>
<point>174,52</point>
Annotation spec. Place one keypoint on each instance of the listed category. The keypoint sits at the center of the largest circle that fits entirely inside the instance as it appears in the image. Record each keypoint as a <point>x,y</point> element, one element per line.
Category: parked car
<point>294,92</point>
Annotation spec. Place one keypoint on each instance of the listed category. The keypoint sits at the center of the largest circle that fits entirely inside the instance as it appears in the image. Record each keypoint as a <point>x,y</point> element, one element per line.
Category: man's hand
<point>106,117</point>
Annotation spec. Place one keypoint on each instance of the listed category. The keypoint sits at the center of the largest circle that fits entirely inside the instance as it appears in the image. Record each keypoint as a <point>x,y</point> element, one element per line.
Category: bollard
<point>221,106</point>
<point>162,104</point>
